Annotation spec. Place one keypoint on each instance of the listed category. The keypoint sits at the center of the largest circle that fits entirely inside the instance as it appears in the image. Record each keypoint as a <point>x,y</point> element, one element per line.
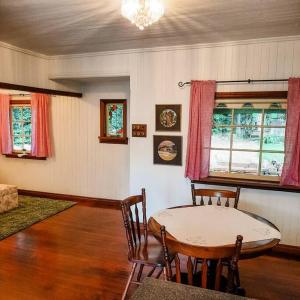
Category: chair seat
<point>151,254</point>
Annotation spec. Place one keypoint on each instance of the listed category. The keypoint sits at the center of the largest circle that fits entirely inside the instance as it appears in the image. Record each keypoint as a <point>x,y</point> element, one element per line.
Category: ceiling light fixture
<point>142,13</point>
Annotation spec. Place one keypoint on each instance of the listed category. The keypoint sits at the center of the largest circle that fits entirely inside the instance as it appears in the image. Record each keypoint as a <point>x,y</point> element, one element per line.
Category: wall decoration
<point>139,130</point>
<point>167,150</point>
<point>168,117</point>
<point>113,121</point>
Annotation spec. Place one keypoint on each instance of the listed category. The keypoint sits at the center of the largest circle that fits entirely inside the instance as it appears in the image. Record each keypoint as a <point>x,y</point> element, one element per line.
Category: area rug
<point>30,211</point>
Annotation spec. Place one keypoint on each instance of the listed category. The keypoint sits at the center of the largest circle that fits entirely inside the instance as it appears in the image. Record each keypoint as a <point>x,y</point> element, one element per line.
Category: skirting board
<point>98,202</point>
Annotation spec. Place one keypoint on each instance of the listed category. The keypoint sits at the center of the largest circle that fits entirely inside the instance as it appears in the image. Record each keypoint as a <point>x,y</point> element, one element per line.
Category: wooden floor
<point>81,253</point>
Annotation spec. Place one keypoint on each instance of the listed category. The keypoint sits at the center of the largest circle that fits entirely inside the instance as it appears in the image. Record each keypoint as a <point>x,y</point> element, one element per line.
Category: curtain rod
<point>182,84</point>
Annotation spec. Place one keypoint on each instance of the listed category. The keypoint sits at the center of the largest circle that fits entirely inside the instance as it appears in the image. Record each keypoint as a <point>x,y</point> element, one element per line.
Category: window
<point>113,121</point>
<point>21,128</point>
<point>248,138</point>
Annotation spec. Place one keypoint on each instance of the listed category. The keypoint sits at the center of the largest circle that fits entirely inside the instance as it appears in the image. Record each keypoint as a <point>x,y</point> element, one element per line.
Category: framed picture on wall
<point>113,121</point>
<point>168,117</point>
<point>167,150</point>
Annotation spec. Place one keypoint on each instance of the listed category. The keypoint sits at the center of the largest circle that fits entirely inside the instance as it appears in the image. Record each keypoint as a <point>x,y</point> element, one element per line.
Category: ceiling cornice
<point>154,49</point>
<point>24,51</point>
<point>177,48</point>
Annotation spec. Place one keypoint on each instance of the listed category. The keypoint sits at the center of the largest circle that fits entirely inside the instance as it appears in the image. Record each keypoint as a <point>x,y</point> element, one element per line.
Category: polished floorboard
<point>81,253</point>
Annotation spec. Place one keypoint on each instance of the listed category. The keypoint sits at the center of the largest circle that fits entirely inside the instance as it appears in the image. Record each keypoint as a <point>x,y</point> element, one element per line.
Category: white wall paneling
<point>24,67</point>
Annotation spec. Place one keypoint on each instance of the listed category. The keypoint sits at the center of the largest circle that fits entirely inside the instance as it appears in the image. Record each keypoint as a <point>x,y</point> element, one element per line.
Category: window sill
<point>247,183</point>
<point>27,156</point>
<point>113,140</point>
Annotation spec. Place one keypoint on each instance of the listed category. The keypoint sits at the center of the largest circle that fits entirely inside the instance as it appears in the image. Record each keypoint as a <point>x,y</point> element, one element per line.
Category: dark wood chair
<point>218,194</point>
<point>142,250</point>
<point>213,259</point>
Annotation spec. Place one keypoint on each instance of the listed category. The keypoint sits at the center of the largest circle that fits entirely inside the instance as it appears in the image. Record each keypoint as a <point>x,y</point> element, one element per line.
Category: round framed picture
<point>168,117</point>
<point>167,150</point>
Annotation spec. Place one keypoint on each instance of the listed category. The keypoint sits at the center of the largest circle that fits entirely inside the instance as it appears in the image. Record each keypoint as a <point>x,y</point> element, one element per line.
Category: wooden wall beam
<point>252,95</point>
<point>30,89</point>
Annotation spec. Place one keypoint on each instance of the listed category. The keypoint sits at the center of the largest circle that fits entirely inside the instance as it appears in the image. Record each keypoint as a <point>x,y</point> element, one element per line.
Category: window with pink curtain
<point>291,168</point>
<point>200,126</point>
<point>5,134</point>
<point>41,141</point>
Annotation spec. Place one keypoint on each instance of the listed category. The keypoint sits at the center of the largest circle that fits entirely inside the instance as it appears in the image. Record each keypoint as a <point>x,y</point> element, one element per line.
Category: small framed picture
<point>167,150</point>
<point>113,121</point>
<point>168,117</point>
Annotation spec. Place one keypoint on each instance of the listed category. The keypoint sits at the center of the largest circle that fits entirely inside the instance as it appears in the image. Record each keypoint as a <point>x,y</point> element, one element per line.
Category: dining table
<point>217,226</point>
<point>213,226</point>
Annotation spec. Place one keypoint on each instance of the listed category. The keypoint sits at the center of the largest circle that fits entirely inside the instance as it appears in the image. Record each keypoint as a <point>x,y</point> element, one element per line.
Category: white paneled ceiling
<point>76,26</point>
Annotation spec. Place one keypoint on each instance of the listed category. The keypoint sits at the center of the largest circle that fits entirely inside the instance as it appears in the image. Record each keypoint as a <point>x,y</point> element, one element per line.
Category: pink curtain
<point>291,168</point>
<point>200,126</point>
<point>5,135</point>
<point>41,142</point>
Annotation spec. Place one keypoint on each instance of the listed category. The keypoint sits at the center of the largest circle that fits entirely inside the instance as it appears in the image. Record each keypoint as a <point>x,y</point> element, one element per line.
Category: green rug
<point>30,211</point>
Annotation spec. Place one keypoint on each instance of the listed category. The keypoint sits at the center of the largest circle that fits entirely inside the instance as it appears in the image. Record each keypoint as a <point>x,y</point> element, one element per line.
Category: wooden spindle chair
<point>209,194</point>
<point>216,256</point>
<point>141,250</point>
<point>219,194</point>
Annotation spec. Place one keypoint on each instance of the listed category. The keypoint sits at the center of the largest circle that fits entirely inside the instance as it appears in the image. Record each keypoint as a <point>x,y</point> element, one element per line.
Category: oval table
<point>212,226</point>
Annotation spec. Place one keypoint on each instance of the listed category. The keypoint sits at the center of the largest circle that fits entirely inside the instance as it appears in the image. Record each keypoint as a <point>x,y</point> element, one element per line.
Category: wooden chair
<point>210,193</point>
<point>142,251</point>
<point>211,256</point>
<point>219,194</point>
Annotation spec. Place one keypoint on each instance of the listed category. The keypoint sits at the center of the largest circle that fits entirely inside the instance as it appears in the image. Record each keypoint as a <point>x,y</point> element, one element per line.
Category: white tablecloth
<point>212,225</point>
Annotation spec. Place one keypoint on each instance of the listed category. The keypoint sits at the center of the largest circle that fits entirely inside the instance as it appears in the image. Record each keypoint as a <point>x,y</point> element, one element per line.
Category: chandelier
<point>142,13</point>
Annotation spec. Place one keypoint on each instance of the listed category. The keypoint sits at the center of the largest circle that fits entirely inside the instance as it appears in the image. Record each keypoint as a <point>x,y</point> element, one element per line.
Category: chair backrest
<point>131,217</point>
<point>219,194</point>
<point>229,254</point>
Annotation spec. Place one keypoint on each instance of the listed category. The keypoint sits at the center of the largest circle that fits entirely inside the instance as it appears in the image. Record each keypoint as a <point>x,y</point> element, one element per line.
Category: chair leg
<point>165,273</point>
<point>237,277</point>
<point>129,281</point>
<point>140,273</point>
<point>195,265</point>
<point>159,273</point>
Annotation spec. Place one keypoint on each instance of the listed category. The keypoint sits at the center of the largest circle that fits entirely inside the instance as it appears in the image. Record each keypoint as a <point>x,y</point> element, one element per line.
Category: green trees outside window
<point>21,128</point>
<point>248,140</point>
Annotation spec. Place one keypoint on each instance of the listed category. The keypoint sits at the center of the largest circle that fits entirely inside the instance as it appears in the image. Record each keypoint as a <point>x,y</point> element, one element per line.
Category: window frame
<point>19,103</point>
<point>244,97</point>
<point>104,137</point>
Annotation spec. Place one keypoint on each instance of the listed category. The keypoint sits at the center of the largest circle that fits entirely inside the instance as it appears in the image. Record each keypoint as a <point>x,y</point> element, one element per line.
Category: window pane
<point>18,143</point>
<point>246,138</point>
<point>274,139</point>
<point>222,116</point>
<point>247,116</point>
<point>17,128</point>
<point>272,163</point>
<point>275,117</point>
<point>219,161</point>
<point>27,143</point>
<point>17,114</point>
<point>245,162</point>
<point>114,120</point>
<point>27,128</point>
<point>26,113</point>
<point>220,137</point>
